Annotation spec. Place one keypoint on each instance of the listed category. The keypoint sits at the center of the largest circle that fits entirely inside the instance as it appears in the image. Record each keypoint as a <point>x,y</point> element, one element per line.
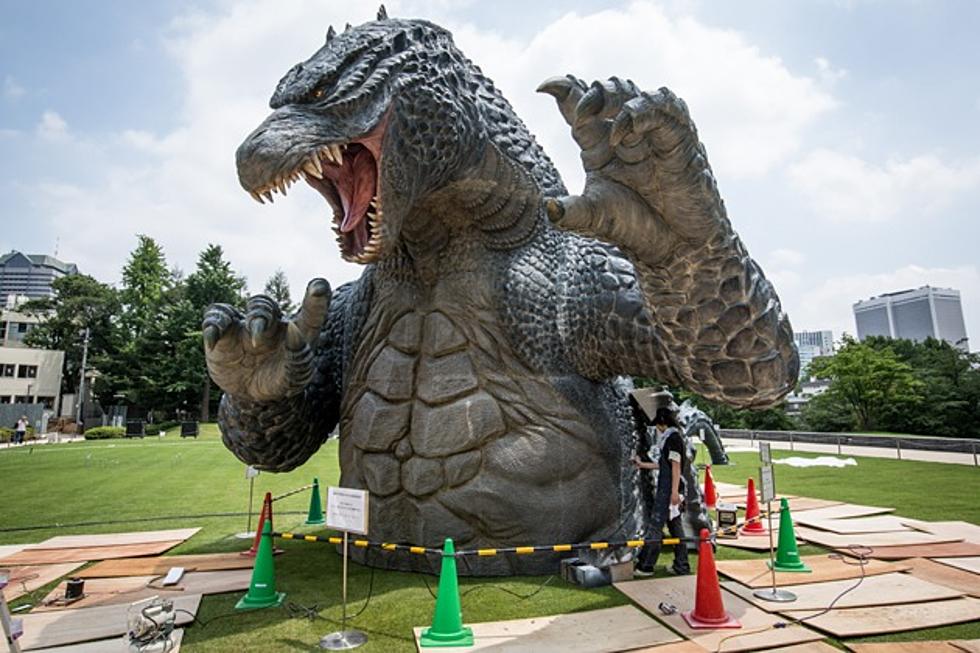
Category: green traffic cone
<point>316,506</point>
<point>447,622</point>
<point>262,590</point>
<point>787,555</point>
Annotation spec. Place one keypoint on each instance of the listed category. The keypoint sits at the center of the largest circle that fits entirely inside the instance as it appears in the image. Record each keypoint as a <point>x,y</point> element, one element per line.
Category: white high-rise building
<point>811,344</point>
<point>917,314</point>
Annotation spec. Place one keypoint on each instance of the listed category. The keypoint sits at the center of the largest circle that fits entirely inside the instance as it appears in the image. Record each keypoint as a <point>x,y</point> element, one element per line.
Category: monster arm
<point>695,310</point>
<point>280,433</point>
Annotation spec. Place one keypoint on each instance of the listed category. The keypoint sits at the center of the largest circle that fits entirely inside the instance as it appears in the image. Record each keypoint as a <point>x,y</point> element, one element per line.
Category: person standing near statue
<point>666,461</point>
<point>20,430</point>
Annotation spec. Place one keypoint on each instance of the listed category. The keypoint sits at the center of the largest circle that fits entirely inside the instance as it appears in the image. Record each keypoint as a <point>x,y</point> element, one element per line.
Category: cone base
<point>246,603</point>
<point>797,567</point>
<point>462,637</point>
<point>698,624</point>
<point>315,522</point>
<point>251,553</point>
<point>746,531</point>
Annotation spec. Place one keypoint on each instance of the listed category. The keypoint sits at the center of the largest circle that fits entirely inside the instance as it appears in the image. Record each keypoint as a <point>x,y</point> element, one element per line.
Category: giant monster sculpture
<point>477,366</point>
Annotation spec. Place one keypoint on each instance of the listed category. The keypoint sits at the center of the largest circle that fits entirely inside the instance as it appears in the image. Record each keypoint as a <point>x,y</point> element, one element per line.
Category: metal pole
<point>838,445</point>
<point>975,463</point>
<point>251,486</point>
<point>343,619</point>
<point>773,594</point>
<point>81,382</point>
<point>898,448</point>
<point>791,441</point>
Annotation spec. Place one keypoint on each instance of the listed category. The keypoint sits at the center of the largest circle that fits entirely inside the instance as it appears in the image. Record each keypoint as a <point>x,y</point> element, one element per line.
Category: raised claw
<point>557,87</point>
<point>211,335</point>
<point>256,328</point>
<point>590,104</point>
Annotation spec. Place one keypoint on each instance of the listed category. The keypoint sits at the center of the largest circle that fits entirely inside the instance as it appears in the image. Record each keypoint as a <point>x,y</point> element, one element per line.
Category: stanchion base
<point>775,595</point>
<point>245,535</point>
<point>343,640</point>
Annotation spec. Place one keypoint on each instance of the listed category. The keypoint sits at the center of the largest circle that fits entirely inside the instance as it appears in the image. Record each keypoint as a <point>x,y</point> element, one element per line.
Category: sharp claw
<point>318,288</point>
<point>554,209</point>
<point>294,337</point>
<point>211,335</point>
<point>591,103</point>
<point>255,328</point>
<point>622,126</point>
<point>557,87</point>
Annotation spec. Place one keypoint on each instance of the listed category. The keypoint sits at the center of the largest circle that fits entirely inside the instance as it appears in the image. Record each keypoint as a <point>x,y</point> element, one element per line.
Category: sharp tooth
<point>313,169</point>
<point>281,186</point>
<point>328,155</point>
<point>338,154</point>
<point>256,197</point>
<point>268,195</point>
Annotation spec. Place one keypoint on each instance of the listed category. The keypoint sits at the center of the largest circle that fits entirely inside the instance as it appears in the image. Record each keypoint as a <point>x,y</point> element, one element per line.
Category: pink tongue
<point>357,188</point>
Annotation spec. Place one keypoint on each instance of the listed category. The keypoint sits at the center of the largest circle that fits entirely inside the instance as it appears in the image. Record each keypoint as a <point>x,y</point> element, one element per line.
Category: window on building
<point>3,330</point>
<point>22,327</point>
<point>47,401</point>
<point>7,369</point>
<point>5,399</point>
<point>22,399</point>
<point>27,372</point>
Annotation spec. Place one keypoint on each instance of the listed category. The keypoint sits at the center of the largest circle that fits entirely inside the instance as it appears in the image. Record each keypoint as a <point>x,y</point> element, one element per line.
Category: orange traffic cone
<point>709,610</point>
<point>265,515</point>
<point>753,517</point>
<point>710,496</point>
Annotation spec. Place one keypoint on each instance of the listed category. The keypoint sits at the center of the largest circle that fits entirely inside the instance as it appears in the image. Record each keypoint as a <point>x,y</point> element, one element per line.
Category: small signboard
<point>768,483</point>
<point>765,455</point>
<point>347,510</point>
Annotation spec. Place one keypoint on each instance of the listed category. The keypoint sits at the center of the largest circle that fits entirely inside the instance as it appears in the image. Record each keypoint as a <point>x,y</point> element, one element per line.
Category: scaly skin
<point>476,368</point>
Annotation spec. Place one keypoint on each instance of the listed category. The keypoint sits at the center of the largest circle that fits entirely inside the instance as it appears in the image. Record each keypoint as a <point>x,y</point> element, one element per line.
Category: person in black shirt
<point>668,461</point>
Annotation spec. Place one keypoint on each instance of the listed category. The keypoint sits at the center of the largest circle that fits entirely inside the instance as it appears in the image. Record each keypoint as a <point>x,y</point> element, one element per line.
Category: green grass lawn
<point>112,480</point>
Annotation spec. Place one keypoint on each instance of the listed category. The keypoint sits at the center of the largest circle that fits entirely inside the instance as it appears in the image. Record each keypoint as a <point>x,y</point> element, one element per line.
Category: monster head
<point>380,117</point>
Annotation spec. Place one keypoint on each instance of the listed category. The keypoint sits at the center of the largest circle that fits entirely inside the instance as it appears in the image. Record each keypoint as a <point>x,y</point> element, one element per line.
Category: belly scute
<point>463,424</point>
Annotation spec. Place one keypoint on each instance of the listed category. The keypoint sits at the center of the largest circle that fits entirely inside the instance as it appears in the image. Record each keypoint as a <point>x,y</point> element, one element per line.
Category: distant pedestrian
<point>20,430</point>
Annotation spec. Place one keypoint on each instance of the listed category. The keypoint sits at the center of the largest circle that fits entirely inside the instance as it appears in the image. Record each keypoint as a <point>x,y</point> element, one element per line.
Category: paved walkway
<point>50,438</point>
<point>850,450</point>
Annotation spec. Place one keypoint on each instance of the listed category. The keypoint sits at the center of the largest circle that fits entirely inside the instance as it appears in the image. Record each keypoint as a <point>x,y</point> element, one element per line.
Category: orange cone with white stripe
<point>709,610</point>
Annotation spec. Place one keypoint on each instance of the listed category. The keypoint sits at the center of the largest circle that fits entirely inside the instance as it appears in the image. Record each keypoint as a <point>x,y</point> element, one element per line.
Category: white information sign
<point>768,483</point>
<point>765,454</point>
<point>347,510</point>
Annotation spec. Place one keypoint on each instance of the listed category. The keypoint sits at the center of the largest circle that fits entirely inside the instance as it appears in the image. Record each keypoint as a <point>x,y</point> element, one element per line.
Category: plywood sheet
<point>959,529</point>
<point>729,489</point>
<point>944,550</point>
<point>886,589</point>
<point>877,524</point>
<point>755,573</point>
<point>611,629</point>
<point>114,539</point>
<point>117,645</point>
<point>24,580</point>
<point>87,624</point>
<point>800,504</point>
<point>840,511</point>
<point>970,564</point>
<point>679,591</point>
<point>162,564</point>
<point>85,554</point>
<point>968,645</point>
<point>11,549</point>
<point>752,542</point>
<point>854,622</point>
<point>837,540</point>
<point>809,647</point>
<point>941,574</point>
<point>126,589</point>
<point>904,647</point>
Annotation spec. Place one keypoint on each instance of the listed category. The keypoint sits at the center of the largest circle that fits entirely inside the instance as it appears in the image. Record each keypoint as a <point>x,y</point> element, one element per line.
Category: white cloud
<point>828,304</point>
<point>181,186</point>
<point>785,256</point>
<point>12,90</point>
<point>845,187</point>
<point>52,127</point>
<point>829,74</point>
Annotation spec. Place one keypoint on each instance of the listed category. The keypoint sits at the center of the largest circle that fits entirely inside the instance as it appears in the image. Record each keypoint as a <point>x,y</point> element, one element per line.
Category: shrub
<point>6,434</point>
<point>156,429</point>
<point>105,432</point>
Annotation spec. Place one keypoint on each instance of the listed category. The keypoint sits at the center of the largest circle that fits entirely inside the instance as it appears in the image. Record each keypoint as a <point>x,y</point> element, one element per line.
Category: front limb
<point>716,321</point>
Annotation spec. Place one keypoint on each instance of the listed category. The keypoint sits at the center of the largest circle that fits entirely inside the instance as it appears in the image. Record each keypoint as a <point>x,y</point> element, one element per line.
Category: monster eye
<point>318,93</point>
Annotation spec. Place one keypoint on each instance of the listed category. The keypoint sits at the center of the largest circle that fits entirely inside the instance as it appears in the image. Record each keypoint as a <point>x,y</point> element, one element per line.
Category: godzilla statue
<point>478,367</point>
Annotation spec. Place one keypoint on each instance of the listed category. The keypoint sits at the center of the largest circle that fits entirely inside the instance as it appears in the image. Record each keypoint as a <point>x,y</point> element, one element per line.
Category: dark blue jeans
<point>661,511</point>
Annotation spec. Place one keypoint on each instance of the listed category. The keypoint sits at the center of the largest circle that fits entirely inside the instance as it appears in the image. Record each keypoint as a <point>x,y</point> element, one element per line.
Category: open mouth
<point>347,176</point>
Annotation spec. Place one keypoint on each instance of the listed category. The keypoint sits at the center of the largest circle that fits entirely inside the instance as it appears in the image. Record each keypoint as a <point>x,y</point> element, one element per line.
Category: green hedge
<point>155,429</point>
<point>105,432</point>
<point>6,435</point>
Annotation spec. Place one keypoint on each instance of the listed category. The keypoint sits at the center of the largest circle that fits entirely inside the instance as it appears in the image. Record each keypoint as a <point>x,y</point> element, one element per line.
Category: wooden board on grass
<point>161,564</point>
<point>877,524</point>
<point>117,645</point>
<point>799,504</point>
<point>880,620</point>
<point>840,511</point>
<point>11,549</point>
<point>837,540</point>
<point>127,589</point>
<point>967,645</point>
<point>679,591</point>
<point>85,554</point>
<point>970,564</point>
<point>752,542</point>
<point>114,539</point>
<point>66,627</point>
<point>905,647</point>
<point>755,573</point>
<point>24,580</point>
<point>611,629</point>
<point>959,529</point>
<point>944,550</point>
<point>942,574</point>
<point>886,589</point>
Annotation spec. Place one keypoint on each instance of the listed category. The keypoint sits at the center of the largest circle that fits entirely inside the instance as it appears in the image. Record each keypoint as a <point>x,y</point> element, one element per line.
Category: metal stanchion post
<point>773,594</point>
<point>898,448</point>
<point>791,441</point>
<point>975,463</point>
<point>343,639</point>
<point>838,446</point>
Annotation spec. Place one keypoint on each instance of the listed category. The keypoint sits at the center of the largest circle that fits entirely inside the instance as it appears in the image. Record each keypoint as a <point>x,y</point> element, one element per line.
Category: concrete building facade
<point>917,314</point>
<point>27,376</point>
<point>31,275</point>
<point>811,344</point>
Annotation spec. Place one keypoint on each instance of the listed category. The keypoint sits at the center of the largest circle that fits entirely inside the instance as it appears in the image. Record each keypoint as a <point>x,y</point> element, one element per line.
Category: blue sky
<point>843,134</point>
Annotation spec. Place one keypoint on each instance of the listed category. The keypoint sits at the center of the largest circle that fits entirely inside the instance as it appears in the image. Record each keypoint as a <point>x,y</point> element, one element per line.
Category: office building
<point>31,275</point>
<point>917,314</point>
<point>27,376</point>
<point>811,344</point>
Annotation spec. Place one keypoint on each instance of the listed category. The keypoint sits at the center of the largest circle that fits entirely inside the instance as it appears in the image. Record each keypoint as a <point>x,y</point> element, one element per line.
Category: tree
<point>828,413</point>
<point>868,381</point>
<point>277,287</point>
<point>145,279</point>
<point>80,302</point>
<point>213,281</point>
